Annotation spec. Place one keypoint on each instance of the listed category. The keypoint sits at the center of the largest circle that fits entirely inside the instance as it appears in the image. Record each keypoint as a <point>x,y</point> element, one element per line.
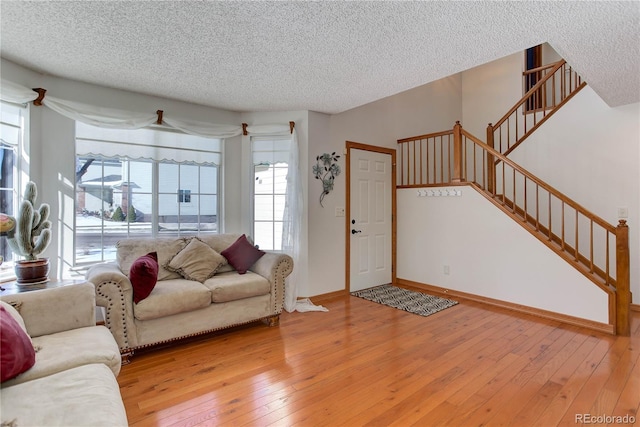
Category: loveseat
<point>202,284</point>
<point>71,378</point>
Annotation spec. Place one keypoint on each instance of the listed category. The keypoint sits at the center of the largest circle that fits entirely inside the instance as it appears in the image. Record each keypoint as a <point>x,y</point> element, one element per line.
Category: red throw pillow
<point>242,254</point>
<point>16,350</point>
<point>144,275</point>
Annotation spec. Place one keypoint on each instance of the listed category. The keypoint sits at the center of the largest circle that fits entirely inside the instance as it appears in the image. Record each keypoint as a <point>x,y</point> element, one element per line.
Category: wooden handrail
<point>541,68</point>
<point>426,136</point>
<point>531,177</point>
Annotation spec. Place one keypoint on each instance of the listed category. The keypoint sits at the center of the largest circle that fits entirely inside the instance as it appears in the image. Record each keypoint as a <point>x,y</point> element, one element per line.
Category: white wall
<point>489,91</point>
<point>429,108</point>
<point>590,152</point>
<point>488,254</point>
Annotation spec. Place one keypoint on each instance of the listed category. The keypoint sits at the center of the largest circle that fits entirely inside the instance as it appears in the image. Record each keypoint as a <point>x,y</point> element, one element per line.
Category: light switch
<point>339,211</point>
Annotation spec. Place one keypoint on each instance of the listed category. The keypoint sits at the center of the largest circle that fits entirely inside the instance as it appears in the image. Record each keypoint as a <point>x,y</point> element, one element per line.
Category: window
<point>184,196</point>
<point>270,169</point>
<point>11,143</point>
<point>141,191</point>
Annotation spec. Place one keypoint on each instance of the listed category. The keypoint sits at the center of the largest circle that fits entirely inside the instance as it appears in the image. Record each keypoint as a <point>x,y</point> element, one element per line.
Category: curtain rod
<point>292,125</point>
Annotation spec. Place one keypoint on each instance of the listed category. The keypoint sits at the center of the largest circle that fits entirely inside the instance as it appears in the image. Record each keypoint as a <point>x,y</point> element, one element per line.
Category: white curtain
<point>114,118</point>
<point>292,217</point>
<point>12,92</point>
<point>147,143</point>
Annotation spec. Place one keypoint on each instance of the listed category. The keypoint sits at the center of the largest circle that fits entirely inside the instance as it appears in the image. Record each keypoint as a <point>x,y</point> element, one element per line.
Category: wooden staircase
<point>597,249</point>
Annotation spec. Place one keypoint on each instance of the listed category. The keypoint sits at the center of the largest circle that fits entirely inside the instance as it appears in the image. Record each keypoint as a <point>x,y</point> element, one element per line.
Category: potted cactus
<point>30,237</point>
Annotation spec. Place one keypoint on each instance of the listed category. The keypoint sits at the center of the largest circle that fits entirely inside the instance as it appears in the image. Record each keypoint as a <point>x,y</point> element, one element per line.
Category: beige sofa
<point>178,307</point>
<point>73,381</point>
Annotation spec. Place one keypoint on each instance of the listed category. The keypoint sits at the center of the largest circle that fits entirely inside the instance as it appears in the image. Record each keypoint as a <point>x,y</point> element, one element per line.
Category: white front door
<point>370,219</point>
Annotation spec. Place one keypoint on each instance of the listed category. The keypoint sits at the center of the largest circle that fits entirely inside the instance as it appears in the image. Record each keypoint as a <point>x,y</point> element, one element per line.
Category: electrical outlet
<point>339,211</point>
<point>623,213</point>
<point>446,270</point>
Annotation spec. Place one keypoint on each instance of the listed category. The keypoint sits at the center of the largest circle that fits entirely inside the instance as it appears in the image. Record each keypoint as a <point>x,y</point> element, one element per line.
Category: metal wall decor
<point>326,169</point>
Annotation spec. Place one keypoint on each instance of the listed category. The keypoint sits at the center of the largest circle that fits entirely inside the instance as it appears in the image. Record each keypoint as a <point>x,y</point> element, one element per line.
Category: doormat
<point>404,299</point>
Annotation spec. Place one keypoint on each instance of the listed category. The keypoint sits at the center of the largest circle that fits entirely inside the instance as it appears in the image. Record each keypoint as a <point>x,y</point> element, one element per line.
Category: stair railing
<point>556,84</point>
<point>597,249</point>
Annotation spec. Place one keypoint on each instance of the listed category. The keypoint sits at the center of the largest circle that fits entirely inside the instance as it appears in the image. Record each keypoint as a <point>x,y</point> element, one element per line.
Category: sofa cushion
<point>144,275</point>
<point>197,261</point>
<point>171,297</point>
<point>83,396</point>
<point>128,250</point>
<point>242,254</point>
<point>16,350</point>
<point>68,349</point>
<point>12,308</point>
<point>232,286</point>
<point>220,242</point>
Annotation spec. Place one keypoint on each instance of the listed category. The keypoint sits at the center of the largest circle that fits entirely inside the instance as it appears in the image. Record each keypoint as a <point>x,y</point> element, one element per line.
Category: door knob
<point>356,231</point>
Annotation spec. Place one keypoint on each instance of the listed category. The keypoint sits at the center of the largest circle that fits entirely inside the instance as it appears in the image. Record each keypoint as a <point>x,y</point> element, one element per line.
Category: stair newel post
<point>457,153</point>
<point>491,170</point>
<point>623,294</point>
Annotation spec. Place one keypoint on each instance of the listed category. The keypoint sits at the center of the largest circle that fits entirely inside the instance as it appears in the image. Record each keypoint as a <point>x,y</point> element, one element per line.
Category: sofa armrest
<point>48,311</point>
<point>275,267</point>
<point>114,292</point>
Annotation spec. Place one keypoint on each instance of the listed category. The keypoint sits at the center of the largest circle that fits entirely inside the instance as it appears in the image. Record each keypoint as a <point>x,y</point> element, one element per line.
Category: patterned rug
<point>404,299</point>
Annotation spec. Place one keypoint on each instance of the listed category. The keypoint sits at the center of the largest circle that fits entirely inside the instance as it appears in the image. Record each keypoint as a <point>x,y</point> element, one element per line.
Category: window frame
<point>18,176</point>
<point>155,200</point>
<point>254,165</point>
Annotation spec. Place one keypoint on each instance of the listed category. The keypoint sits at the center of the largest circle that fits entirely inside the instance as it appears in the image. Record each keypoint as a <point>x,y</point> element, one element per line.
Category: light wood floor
<point>362,363</point>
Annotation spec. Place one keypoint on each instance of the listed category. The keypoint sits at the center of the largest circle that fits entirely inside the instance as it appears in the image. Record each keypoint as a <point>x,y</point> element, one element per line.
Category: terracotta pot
<point>34,271</point>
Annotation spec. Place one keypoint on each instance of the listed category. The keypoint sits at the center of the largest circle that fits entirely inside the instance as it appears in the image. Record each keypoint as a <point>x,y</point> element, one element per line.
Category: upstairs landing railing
<point>556,84</point>
<point>599,250</point>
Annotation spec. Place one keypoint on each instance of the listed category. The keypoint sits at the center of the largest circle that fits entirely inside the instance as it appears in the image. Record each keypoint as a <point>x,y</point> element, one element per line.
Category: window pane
<point>141,177</point>
<point>167,178</point>
<point>263,208</point>
<point>189,177</point>
<point>263,235</point>
<point>140,221</point>
<point>280,180</point>
<point>277,236</point>
<point>167,213</point>
<point>11,114</point>
<point>208,180</point>
<point>10,134</point>
<point>7,182</point>
<point>269,189</point>
<point>209,213</point>
<point>263,179</point>
<point>278,207</point>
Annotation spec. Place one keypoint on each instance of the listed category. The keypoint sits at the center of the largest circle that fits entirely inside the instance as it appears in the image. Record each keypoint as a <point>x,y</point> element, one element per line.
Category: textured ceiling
<point>320,56</point>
